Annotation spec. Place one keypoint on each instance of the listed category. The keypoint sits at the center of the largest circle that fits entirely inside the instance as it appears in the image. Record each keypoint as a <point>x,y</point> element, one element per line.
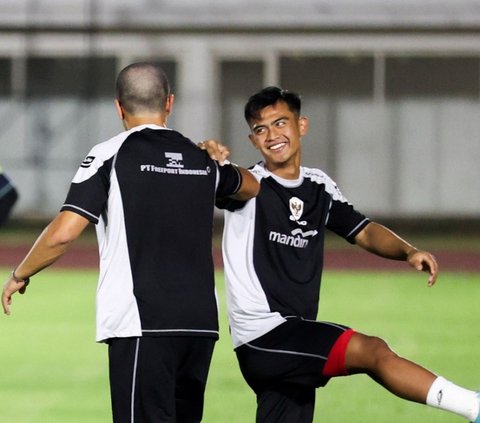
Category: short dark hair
<point>142,87</point>
<point>268,97</point>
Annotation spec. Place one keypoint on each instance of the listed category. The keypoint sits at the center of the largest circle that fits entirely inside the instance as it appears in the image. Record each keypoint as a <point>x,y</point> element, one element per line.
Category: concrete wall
<point>391,89</point>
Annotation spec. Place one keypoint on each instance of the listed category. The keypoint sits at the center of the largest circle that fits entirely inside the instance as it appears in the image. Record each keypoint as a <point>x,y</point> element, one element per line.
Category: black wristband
<point>26,281</point>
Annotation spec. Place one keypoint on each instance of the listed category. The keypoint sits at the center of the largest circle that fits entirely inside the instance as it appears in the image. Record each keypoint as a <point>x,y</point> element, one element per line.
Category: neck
<point>290,172</point>
<point>285,170</point>
<point>131,121</point>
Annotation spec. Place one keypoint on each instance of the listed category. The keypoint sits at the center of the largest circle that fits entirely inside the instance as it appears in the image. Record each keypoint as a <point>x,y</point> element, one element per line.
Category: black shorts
<point>285,366</point>
<point>159,379</point>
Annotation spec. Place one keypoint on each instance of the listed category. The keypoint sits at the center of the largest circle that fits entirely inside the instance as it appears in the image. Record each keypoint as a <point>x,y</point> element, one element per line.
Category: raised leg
<point>404,378</point>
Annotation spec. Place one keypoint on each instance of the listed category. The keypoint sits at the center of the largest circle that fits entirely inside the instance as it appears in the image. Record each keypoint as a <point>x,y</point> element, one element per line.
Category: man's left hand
<point>215,150</point>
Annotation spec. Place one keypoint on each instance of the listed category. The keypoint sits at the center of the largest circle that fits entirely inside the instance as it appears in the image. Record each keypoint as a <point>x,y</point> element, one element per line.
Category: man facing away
<point>273,257</point>
<point>150,192</point>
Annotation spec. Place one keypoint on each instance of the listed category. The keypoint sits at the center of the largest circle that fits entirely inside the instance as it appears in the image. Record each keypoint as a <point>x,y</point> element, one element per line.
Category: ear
<point>169,104</point>
<point>303,125</point>
<point>119,108</point>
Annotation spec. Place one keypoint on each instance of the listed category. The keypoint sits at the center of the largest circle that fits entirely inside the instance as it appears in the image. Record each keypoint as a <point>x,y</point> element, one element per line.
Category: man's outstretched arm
<point>219,152</point>
<point>381,241</point>
<point>49,247</point>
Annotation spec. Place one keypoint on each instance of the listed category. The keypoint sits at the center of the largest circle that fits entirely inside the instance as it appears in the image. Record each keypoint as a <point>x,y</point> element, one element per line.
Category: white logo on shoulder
<point>88,161</point>
<point>296,208</point>
<point>174,160</point>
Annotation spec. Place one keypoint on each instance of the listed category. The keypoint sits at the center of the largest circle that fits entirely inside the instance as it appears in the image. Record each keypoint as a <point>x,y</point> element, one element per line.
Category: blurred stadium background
<point>392,90</point>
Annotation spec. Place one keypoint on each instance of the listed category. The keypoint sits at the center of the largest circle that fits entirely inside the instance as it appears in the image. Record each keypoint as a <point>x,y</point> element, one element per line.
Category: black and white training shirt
<point>273,249</point>
<point>151,192</point>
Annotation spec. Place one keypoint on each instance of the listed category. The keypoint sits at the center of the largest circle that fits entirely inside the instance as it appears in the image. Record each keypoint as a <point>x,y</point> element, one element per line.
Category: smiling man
<point>273,255</point>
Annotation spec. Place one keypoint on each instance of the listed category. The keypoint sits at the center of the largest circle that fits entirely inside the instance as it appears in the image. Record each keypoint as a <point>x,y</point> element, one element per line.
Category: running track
<point>87,257</point>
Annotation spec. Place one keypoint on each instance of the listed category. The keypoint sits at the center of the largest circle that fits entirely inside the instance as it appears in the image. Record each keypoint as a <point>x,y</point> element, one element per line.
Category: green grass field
<point>52,371</point>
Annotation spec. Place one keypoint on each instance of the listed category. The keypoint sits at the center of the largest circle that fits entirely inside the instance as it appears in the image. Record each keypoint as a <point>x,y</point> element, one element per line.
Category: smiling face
<point>277,134</point>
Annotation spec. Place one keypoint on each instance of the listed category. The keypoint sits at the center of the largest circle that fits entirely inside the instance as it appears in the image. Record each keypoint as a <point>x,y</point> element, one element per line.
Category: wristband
<point>26,281</point>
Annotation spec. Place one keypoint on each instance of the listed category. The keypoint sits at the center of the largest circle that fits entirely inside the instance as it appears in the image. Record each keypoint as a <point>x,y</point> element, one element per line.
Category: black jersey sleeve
<point>88,193</point>
<point>230,180</point>
<point>345,221</point>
